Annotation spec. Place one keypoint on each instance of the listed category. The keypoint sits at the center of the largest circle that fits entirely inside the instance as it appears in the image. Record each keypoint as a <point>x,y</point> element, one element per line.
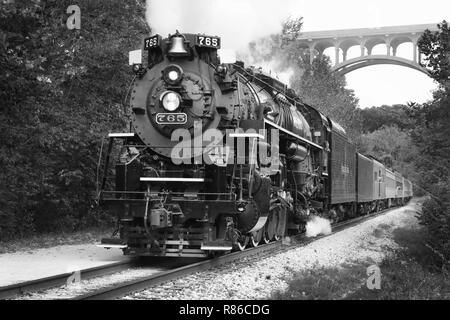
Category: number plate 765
<point>171,118</point>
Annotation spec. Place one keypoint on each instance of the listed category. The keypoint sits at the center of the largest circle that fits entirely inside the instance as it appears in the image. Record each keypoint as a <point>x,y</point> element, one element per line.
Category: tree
<point>323,89</point>
<point>392,146</point>
<point>375,118</point>
<point>61,92</point>
<point>435,46</point>
<point>430,135</point>
<point>291,29</point>
<point>314,83</point>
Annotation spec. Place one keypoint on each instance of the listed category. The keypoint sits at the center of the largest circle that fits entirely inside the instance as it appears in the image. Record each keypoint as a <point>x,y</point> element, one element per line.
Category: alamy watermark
<point>75,276</point>
<point>74,20</point>
<point>220,148</point>
<point>374,277</point>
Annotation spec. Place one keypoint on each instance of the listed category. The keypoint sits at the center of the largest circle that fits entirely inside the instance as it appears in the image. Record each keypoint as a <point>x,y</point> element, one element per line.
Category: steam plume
<point>316,226</point>
<point>237,22</point>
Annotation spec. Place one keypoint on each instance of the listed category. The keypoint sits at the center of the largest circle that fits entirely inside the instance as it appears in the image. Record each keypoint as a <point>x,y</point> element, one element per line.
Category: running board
<point>214,248</point>
<point>273,124</point>
<point>121,135</point>
<point>169,179</point>
<point>246,135</point>
<point>216,245</point>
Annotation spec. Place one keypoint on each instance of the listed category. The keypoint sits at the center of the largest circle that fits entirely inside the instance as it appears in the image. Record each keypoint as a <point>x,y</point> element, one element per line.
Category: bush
<point>430,135</point>
<point>411,271</point>
<point>436,217</point>
<point>61,92</point>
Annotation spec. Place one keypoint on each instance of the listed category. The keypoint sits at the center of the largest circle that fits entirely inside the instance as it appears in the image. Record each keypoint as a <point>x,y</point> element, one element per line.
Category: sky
<point>238,22</point>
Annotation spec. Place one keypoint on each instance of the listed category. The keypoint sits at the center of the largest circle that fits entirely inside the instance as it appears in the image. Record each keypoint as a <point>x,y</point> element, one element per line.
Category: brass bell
<point>177,46</point>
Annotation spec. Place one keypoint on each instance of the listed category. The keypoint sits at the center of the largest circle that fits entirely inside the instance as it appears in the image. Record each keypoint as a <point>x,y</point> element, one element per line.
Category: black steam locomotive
<point>222,156</point>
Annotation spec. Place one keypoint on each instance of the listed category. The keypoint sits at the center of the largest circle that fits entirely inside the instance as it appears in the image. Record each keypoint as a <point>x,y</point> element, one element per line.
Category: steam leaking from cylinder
<point>317,226</point>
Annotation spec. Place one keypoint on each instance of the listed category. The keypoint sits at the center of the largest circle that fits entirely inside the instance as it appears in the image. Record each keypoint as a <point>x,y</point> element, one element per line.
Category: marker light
<point>241,206</point>
<point>170,100</point>
<point>221,69</point>
<point>172,74</point>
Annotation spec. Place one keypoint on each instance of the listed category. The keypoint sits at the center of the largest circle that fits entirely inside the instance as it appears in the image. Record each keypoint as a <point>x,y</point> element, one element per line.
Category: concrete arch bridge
<point>367,38</point>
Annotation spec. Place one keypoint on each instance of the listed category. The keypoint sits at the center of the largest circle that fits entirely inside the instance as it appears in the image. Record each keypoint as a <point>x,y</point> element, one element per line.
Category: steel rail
<point>122,289</point>
<point>158,278</point>
<point>12,290</point>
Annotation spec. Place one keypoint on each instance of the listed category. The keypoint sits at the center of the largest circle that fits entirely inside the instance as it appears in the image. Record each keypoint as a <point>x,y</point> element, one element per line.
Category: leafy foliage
<point>291,29</point>
<point>323,89</point>
<point>314,82</point>
<point>431,134</point>
<point>386,135</point>
<point>375,118</point>
<point>392,146</point>
<point>410,272</point>
<point>61,91</point>
<point>436,48</point>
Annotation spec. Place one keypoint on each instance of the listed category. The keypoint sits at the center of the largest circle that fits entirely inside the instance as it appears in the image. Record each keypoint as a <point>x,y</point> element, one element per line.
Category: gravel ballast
<point>258,277</point>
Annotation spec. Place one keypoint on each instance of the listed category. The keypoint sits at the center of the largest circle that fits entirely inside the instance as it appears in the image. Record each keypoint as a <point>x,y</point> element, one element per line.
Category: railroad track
<point>140,284</point>
<point>124,288</point>
<point>61,279</point>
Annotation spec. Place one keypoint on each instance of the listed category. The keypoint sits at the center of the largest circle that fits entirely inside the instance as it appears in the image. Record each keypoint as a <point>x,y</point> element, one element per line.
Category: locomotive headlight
<point>172,74</point>
<point>170,100</point>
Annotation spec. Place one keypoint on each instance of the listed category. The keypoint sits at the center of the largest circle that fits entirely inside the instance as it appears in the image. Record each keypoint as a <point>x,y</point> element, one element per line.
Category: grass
<point>320,283</point>
<point>54,239</point>
<point>411,272</point>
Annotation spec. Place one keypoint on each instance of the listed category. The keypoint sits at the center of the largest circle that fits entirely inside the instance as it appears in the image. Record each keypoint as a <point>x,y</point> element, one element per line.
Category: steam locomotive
<point>222,156</point>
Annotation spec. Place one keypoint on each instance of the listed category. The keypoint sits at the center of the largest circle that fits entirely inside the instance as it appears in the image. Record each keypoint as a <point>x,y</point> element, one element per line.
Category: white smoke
<point>266,54</point>
<point>237,22</point>
<point>316,226</point>
<point>273,68</point>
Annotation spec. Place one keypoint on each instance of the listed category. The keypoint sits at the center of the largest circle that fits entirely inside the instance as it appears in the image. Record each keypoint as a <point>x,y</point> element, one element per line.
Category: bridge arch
<point>396,41</point>
<point>367,39</point>
<point>322,45</point>
<point>346,44</point>
<point>365,61</point>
